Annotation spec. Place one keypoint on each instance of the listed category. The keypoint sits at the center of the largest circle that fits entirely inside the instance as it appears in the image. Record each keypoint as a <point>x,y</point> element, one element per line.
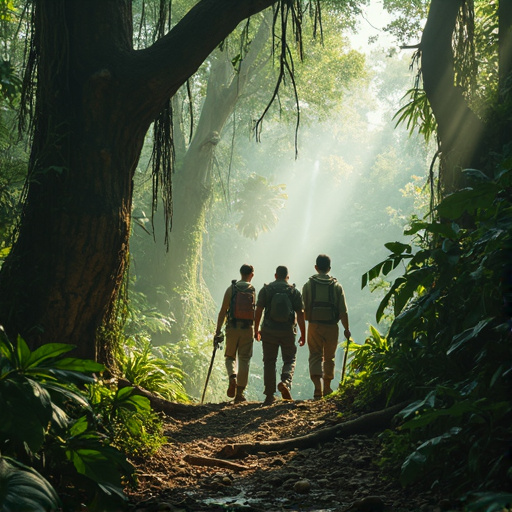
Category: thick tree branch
<point>170,61</point>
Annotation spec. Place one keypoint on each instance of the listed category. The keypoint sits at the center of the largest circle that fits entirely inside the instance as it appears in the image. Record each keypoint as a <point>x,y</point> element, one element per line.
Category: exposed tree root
<point>368,423</point>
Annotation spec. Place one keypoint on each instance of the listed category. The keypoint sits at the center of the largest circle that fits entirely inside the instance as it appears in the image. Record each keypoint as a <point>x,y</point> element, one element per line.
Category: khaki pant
<point>238,353</point>
<point>322,343</point>
<point>271,341</point>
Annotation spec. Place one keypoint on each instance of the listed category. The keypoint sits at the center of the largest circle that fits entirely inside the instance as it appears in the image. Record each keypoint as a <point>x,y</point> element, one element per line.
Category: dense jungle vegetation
<point>438,325</point>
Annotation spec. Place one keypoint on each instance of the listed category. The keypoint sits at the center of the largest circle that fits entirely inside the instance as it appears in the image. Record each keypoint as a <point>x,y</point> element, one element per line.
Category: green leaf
<point>398,247</point>
<point>22,353</point>
<point>427,403</point>
<point>22,489</point>
<point>412,468</point>
<point>79,365</point>
<point>47,351</point>
<point>467,200</point>
<point>126,400</point>
<point>476,175</point>
<point>469,334</point>
<point>489,502</point>
<point>26,412</point>
<point>102,464</point>
<point>80,426</point>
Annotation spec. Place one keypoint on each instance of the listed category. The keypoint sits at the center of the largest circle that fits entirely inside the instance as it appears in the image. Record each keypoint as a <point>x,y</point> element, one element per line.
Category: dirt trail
<point>189,474</point>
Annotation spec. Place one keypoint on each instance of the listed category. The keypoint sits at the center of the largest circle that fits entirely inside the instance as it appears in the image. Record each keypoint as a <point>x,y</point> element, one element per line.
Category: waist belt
<point>243,324</point>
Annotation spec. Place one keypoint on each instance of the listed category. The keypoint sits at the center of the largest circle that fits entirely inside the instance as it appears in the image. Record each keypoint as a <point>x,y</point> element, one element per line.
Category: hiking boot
<point>327,387</point>
<point>269,400</point>
<point>240,397</point>
<point>232,387</point>
<point>285,392</point>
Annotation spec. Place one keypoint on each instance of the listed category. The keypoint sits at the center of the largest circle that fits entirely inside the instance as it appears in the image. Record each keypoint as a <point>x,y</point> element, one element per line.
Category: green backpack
<point>324,309</point>
<point>281,309</point>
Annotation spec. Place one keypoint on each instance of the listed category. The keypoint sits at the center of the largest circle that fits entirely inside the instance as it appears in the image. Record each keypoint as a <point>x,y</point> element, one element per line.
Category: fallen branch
<point>198,460</point>
<point>365,424</point>
<point>157,403</point>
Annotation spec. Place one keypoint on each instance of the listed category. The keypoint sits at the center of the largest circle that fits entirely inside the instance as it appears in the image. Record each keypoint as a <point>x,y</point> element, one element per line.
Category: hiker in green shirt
<point>283,307</point>
<point>324,307</point>
<point>238,308</point>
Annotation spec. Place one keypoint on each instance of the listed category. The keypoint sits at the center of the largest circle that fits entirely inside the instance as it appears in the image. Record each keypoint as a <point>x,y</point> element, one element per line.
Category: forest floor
<point>342,474</point>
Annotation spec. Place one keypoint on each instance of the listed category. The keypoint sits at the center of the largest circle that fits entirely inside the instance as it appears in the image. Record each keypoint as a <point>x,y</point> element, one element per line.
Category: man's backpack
<point>281,309</point>
<point>323,303</point>
<point>242,302</point>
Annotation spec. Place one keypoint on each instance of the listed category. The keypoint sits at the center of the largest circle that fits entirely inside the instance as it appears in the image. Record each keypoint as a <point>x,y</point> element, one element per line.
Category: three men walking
<point>322,304</point>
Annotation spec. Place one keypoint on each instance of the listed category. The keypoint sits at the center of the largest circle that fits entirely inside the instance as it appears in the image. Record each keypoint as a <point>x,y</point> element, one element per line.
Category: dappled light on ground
<point>343,474</point>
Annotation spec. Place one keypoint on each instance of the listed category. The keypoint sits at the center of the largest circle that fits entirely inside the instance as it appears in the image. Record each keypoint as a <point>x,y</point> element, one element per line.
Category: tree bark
<point>459,129</point>
<point>96,98</point>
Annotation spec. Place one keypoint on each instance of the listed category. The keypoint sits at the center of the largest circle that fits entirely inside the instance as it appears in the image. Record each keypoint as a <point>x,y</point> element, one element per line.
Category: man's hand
<point>302,340</point>
<point>257,335</point>
<point>347,334</point>
<point>218,338</point>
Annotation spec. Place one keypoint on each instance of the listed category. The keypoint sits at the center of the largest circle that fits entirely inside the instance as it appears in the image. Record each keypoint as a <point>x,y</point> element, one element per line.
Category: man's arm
<point>302,327</point>
<point>223,311</point>
<point>257,319</point>
<point>344,321</point>
<point>305,298</point>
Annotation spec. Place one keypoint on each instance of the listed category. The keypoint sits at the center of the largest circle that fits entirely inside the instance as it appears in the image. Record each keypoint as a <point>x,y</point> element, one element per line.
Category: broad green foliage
<point>156,369</point>
<point>449,344</point>
<point>128,419</point>
<point>48,423</point>
<point>22,489</point>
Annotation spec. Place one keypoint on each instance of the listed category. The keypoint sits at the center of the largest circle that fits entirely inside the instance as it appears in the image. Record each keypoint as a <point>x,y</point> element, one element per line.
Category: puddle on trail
<point>241,502</point>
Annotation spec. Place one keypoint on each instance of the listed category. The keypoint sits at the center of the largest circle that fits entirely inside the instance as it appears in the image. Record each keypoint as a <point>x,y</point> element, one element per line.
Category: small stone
<point>369,504</point>
<point>226,480</point>
<point>302,486</point>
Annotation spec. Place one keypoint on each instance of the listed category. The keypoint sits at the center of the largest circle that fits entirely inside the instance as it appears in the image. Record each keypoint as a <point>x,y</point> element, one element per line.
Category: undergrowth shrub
<point>449,347</point>
<point>64,434</point>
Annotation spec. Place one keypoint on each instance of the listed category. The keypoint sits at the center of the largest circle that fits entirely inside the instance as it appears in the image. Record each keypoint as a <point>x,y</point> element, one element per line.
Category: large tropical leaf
<point>23,489</point>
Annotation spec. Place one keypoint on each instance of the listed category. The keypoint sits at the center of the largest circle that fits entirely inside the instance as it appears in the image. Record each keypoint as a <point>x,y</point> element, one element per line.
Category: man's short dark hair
<point>281,272</point>
<point>323,262</point>
<point>246,269</point>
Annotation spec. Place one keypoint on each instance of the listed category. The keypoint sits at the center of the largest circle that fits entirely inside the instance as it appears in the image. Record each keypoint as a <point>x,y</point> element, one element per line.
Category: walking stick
<point>345,362</point>
<point>217,340</point>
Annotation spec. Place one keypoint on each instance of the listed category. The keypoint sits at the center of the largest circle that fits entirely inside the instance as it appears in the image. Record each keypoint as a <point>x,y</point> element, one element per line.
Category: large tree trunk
<point>96,98</point>
<point>459,129</point>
